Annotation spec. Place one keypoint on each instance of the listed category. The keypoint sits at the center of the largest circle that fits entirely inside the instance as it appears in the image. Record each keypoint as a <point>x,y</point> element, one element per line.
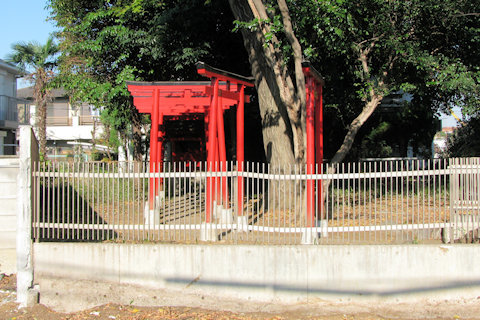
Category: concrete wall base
<point>273,273</point>
<point>33,296</point>
<point>8,261</point>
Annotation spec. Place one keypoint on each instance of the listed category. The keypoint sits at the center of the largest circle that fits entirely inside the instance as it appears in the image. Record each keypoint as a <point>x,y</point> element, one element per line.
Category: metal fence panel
<point>369,202</point>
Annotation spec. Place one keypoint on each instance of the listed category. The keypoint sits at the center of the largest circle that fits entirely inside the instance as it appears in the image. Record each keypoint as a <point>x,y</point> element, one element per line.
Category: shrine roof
<point>208,71</point>
<point>168,83</point>
<point>309,70</point>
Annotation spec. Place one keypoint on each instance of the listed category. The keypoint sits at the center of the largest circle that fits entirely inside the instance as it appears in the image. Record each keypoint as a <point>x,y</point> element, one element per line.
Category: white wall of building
<point>8,80</point>
<point>8,106</point>
<point>75,131</point>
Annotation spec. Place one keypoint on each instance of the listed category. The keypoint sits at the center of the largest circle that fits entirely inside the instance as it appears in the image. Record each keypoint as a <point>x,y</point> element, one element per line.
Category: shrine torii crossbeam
<point>161,99</point>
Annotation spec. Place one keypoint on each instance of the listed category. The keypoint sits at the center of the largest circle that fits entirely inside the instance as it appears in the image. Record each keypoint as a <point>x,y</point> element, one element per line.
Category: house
<point>12,109</point>
<point>71,127</point>
<point>440,141</point>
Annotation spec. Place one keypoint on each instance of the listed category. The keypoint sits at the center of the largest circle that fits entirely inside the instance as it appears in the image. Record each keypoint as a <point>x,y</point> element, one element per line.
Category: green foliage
<point>391,130</point>
<point>374,145</point>
<point>427,48</point>
<point>106,43</point>
<point>464,142</point>
<point>31,56</point>
<point>422,47</point>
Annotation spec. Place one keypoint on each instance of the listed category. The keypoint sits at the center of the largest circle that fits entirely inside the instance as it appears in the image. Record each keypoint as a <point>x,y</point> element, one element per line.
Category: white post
<point>28,153</point>
<point>3,134</point>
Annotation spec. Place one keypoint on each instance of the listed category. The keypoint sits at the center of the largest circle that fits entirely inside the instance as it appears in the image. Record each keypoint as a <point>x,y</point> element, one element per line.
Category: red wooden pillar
<point>154,146</point>
<point>240,146</point>
<point>319,146</point>
<point>222,156</point>
<point>160,140</point>
<point>211,150</point>
<point>310,150</point>
<point>314,119</point>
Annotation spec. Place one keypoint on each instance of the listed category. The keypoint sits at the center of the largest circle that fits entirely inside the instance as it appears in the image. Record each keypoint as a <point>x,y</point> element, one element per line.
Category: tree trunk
<point>281,101</point>
<point>138,147</point>
<point>276,126</point>
<point>42,96</point>
<point>356,124</point>
<point>40,123</point>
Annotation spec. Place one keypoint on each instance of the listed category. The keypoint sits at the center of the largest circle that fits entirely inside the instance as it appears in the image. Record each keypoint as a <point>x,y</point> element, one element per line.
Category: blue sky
<point>23,20</point>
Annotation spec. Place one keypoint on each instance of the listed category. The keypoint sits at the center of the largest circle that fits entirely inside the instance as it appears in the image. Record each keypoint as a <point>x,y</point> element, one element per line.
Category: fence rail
<point>374,202</point>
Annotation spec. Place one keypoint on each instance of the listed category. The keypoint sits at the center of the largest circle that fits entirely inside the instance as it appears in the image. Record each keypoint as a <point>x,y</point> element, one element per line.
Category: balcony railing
<point>86,119</point>
<point>71,121</point>
<point>59,121</point>
<point>14,109</point>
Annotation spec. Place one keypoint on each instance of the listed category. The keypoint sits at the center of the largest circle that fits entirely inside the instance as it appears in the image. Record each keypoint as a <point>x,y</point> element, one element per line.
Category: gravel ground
<point>9,310</point>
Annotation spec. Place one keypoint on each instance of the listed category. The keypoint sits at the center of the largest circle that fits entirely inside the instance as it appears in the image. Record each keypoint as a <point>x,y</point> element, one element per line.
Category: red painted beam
<point>229,95</point>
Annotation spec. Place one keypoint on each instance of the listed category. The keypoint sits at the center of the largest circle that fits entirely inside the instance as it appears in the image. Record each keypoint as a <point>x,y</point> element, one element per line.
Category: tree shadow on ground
<point>66,216</point>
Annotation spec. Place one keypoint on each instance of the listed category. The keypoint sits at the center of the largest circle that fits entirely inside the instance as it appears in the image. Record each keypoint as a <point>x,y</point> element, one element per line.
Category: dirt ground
<point>9,310</point>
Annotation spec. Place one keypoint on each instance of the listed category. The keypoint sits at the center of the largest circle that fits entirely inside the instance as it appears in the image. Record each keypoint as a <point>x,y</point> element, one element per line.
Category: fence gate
<point>464,199</point>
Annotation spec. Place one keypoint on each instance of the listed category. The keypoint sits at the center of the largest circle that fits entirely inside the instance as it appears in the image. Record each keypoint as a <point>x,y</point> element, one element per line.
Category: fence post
<point>26,294</point>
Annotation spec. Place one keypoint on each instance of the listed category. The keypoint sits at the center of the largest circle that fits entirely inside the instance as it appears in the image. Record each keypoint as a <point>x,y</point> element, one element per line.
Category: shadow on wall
<point>349,288</point>
<point>447,285</point>
<point>64,204</point>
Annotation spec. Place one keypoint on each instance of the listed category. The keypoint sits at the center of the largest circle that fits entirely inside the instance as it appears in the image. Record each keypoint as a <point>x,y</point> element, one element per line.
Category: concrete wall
<point>9,167</point>
<point>272,273</point>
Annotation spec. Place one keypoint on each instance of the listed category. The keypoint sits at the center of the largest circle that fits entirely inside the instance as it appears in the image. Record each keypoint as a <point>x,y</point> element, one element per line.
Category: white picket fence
<point>369,202</point>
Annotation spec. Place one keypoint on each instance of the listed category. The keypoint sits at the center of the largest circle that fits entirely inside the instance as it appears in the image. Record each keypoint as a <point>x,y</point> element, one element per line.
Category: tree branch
<point>466,14</point>
<point>371,104</point>
<point>297,51</point>
<point>272,54</point>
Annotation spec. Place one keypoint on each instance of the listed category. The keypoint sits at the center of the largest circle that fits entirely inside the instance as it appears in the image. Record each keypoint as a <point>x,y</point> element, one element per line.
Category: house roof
<point>27,93</point>
<point>10,67</point>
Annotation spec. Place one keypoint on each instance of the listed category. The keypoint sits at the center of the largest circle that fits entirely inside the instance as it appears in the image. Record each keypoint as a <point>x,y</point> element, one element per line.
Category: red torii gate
<point>225,89</point>
<point>161,99</point>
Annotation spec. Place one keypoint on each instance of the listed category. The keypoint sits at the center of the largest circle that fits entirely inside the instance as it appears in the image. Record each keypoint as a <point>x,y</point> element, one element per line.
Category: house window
<point>57,115</point>
<point>86,115</point>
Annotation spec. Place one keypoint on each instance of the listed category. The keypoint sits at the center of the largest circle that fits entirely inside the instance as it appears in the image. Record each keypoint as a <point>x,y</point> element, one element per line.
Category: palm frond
<point>32,55</point>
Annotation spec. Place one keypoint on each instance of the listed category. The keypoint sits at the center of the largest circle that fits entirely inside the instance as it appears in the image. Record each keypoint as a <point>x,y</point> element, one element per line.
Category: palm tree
<point>39,62</point>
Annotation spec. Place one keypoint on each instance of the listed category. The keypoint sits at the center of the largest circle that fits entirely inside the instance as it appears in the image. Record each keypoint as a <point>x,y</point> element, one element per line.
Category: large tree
<point>280,84</point>
<point>39,62</point>
<point>366,49</point>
